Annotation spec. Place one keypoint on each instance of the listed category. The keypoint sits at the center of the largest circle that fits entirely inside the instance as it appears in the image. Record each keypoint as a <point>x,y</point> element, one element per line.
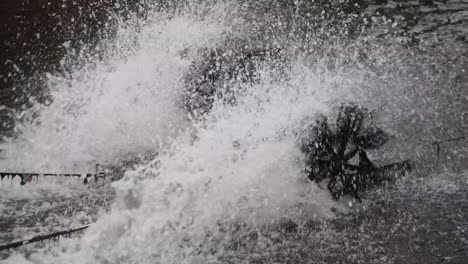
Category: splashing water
<point>116,106</point>
<point>239,165</point>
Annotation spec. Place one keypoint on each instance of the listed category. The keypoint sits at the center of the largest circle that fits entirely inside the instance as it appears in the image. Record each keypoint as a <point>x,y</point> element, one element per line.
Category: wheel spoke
<point>351,154</point>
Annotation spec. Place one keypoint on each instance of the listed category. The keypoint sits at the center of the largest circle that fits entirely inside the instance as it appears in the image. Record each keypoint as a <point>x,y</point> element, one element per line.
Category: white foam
<point>243,166</point>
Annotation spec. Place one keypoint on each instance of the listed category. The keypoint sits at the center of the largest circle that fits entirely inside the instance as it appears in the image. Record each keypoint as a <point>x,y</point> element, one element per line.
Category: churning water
<point>206,184</point>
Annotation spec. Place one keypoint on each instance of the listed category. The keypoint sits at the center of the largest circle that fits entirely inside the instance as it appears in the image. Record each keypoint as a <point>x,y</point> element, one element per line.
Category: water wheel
<point>337,152</point>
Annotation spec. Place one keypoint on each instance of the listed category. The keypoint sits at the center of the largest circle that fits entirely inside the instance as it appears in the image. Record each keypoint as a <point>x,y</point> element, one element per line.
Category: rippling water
<point>219,188</point>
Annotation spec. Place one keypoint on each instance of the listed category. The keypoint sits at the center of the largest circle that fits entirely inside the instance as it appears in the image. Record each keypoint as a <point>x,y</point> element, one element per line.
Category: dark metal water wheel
<point>338,153</point>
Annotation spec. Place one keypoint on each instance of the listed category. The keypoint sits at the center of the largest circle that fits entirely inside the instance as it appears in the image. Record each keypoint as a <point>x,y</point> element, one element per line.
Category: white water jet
<point>111,108</point>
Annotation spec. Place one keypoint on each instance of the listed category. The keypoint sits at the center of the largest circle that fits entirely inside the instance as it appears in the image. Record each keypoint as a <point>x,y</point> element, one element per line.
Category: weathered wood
<point>43,237</point>
<point>27,177</point>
